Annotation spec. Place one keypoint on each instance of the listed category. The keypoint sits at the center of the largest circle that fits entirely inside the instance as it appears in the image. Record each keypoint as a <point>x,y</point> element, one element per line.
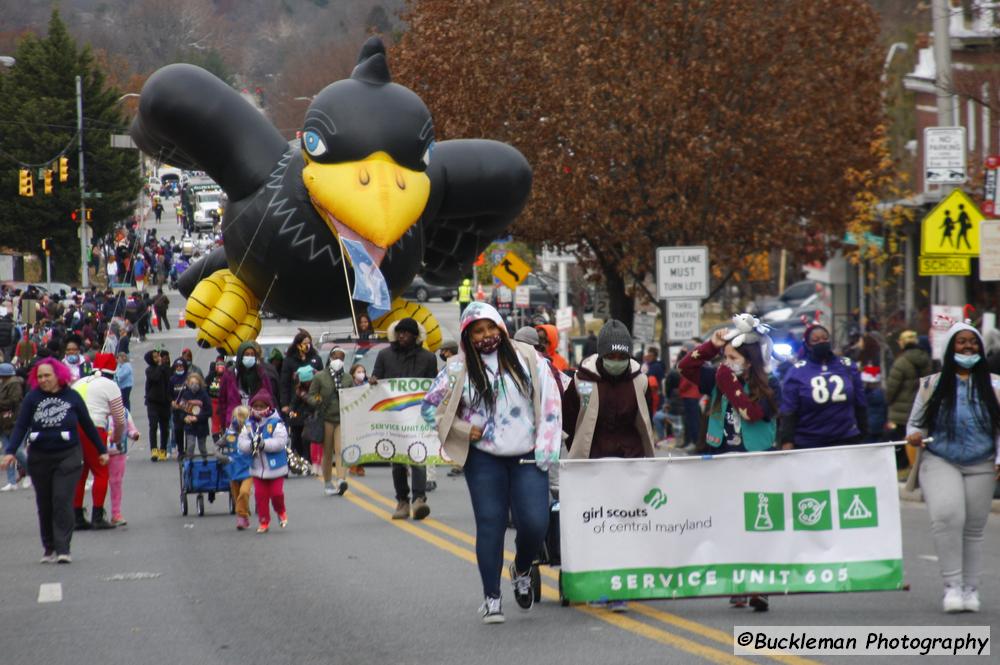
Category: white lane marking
<point>50,593</point>
<point>928,557</point>
<point>130,577</point>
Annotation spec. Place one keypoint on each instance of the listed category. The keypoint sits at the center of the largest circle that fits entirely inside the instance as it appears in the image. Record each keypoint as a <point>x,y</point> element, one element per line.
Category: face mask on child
<point>261,413</point>
<point>359,377</point>
<point>336,364</point>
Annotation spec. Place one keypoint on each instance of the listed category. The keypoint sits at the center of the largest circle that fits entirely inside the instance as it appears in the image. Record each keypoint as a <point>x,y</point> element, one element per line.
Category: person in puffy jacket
<point>265,438</point>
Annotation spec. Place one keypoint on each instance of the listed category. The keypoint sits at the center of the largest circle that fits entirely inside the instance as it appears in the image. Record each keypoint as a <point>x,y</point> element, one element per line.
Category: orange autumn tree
<point>731,123</point>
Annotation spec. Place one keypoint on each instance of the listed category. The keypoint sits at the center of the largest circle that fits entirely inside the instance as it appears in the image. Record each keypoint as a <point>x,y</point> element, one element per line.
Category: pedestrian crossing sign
<point>952,227</point>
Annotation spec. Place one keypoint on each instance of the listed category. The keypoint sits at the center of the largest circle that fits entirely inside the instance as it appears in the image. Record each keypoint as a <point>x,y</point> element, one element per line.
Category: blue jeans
<point>19,454</point>
<point>692,420</point>
<point>659,418</point>
<point>498,485</point>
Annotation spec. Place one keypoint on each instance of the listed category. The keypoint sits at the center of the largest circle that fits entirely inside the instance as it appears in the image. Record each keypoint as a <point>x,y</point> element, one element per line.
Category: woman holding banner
<point>960,408</point>
<point>822,399</point>
<point>743,398</point>
<point>494,406</point>
<point>609,403</point>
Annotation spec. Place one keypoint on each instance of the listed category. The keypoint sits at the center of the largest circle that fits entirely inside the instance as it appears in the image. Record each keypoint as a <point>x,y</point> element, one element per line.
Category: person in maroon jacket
<point>243,380</point>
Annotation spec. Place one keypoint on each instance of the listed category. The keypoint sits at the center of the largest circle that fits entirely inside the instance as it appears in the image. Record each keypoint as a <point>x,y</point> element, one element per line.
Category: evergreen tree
<point>38,111</point>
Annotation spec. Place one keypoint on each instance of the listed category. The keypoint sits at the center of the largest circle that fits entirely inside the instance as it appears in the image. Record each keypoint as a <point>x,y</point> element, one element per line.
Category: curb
<point>918,497</point>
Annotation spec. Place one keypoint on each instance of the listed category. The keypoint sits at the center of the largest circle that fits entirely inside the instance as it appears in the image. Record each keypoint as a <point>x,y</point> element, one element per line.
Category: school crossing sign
<point>952,227</point>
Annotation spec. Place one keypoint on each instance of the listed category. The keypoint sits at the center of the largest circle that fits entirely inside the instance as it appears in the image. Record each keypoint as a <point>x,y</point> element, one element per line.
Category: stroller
<point>551,554</point>
<point>201,475</point>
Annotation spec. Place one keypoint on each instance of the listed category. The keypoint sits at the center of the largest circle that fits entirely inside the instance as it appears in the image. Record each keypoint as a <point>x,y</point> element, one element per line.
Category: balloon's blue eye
<point>313,143</point>
<point>426,159</point>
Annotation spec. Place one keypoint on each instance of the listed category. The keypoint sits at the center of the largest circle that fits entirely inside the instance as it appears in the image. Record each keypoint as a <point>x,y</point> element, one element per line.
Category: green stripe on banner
<point>726,579</point>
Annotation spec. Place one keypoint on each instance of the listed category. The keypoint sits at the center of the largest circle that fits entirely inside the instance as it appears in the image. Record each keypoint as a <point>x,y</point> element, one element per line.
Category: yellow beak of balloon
<point>373,199</point>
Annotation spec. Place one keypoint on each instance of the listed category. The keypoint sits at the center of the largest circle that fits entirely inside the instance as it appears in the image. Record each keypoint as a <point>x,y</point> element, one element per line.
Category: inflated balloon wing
<point>367,175</point>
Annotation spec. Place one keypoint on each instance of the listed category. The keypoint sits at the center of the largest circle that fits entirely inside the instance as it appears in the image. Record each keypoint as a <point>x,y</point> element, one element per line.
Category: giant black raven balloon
<point>367,168</point>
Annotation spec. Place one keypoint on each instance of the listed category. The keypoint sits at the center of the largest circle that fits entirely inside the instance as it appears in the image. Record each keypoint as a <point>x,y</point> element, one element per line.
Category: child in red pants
<point>265,437</point>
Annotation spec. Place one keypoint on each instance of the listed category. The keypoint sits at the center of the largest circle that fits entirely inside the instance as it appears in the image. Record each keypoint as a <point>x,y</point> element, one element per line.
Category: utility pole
<point>84,243</point>
<point>951,290</point>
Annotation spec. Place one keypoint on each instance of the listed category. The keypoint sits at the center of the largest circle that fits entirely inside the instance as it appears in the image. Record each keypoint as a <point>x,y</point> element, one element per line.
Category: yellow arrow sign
<point>952,227</point>
<point>511,270</point>
<point>945,265</point>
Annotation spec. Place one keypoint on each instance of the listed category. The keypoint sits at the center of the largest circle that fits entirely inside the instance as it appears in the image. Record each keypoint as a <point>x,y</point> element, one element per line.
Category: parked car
<point>789,299</point>
<point>543,292</point>
<point>54,287</point>
<point>421,291</point>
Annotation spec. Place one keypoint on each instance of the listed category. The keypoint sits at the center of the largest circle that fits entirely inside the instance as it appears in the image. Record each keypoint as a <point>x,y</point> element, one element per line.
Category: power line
<point>27,165</point>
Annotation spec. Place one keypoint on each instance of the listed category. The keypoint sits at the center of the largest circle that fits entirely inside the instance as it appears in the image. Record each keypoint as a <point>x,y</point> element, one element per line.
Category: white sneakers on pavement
<point>491,610</point>
<point>953,601</point>
<point>9,487</point>
<point>970,599</point>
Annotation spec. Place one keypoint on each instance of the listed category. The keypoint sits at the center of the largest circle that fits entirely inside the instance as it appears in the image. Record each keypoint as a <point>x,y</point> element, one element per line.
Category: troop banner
<point>779,522</point>
<point>382,423</point>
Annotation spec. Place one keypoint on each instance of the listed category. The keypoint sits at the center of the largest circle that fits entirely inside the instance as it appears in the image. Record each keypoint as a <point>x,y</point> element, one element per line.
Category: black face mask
<point>821,351</point>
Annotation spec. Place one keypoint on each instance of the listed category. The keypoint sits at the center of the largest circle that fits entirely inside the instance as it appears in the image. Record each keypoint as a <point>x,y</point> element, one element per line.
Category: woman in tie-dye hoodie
<point>495,405</point>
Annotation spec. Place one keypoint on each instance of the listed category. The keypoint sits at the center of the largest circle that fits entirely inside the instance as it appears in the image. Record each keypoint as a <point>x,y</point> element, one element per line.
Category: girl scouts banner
<point>382,423</point>
<point>802,521</point>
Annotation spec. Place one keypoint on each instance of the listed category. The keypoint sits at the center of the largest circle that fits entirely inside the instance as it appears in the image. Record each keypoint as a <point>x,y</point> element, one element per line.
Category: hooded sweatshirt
<point>552,351</point>
<point>50,422</point>
<point>512,427</point>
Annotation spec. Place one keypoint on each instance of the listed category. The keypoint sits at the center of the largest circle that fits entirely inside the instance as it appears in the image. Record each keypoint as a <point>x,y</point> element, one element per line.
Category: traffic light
<point>73,215</point>
<point>46,245</point>
<point>26,184</point>
<point>63,169</point>
<point>90,214</point>
<point>48,181</point>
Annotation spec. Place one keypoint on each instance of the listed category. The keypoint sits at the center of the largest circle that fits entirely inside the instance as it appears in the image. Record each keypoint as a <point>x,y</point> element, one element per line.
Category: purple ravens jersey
<point>823,396</point>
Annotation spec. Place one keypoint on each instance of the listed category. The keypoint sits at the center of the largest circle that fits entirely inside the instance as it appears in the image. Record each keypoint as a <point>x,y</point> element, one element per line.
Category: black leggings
<point>159,419</point>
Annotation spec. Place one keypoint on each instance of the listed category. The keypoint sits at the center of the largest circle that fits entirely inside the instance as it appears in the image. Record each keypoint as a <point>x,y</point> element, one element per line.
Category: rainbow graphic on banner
<point>398,403</point>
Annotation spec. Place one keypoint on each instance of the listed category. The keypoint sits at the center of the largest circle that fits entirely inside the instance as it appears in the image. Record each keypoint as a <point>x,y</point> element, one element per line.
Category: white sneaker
<point>9,487</point>
<point>492,611</point>
<point>970,599</point>
<point>953,600</point>
<point>26,483</point>
<point>329,489</point>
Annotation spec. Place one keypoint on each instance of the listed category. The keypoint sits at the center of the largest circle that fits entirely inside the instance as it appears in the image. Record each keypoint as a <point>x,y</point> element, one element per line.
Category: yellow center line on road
<point>552,593</point>
<point>625,623</point>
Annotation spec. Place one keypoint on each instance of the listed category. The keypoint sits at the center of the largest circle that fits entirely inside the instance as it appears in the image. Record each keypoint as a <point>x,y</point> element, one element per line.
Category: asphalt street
<point>345,584</point>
